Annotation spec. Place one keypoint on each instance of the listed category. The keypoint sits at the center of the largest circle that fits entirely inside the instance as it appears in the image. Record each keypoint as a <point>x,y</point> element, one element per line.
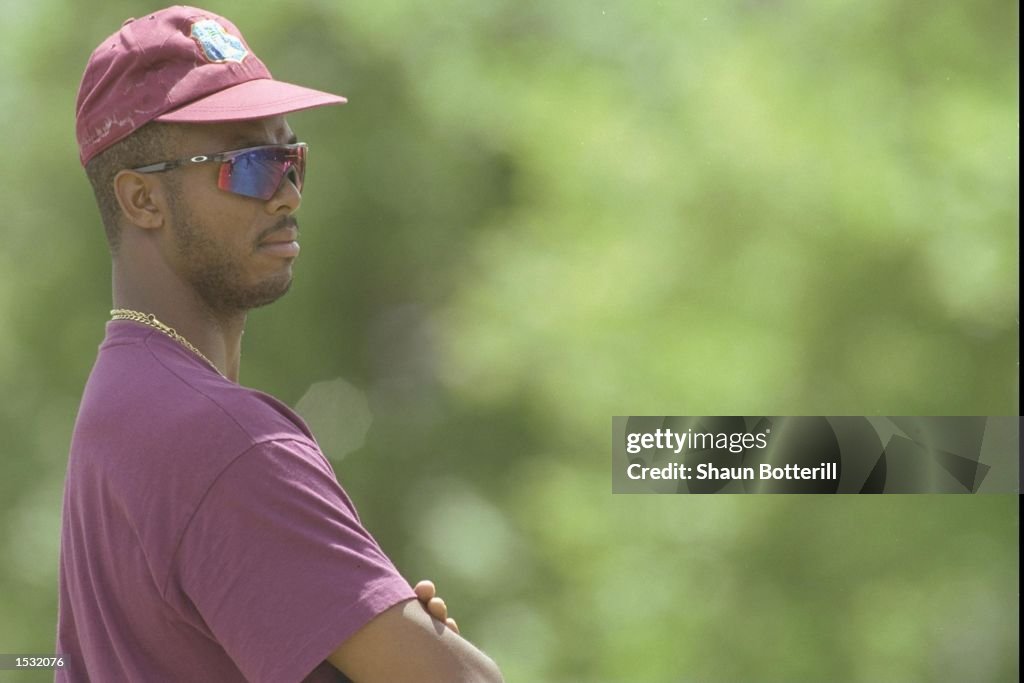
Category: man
<point>205,537</point>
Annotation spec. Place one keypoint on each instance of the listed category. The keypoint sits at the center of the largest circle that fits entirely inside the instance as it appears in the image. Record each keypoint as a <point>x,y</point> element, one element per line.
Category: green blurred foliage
<point>534,216</point>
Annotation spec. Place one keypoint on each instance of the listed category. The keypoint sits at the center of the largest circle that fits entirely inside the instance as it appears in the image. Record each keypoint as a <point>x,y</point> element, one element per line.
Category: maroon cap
<point>183,65</point>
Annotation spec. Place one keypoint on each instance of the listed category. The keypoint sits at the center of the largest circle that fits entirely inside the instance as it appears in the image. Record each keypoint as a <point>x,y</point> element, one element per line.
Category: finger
<point>437,609</point>
<point>425,590</point>
<point>451,624</point>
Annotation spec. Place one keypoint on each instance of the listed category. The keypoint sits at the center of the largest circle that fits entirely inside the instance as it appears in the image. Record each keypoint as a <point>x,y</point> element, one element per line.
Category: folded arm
<point>404,644</point>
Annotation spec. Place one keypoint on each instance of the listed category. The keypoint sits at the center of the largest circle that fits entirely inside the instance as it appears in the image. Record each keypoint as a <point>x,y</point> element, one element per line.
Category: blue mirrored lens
<point>258,172</point>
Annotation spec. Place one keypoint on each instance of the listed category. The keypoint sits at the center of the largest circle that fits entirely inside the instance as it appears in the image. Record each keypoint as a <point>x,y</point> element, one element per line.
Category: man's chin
<point>229,302</point>
<point>272,293</point>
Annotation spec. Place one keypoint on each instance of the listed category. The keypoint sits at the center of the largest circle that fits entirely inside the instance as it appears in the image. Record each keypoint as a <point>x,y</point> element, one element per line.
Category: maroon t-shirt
<point>205,537</point>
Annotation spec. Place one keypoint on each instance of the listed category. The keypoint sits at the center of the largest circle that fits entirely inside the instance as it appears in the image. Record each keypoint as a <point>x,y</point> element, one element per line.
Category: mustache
<point>283,224</point>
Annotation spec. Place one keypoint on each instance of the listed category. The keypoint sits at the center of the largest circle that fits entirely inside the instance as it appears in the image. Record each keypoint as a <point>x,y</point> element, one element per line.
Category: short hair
<point>149,144</point>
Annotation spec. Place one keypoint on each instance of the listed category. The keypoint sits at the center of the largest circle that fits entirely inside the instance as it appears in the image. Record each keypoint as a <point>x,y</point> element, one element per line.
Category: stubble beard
<point>216,276</point>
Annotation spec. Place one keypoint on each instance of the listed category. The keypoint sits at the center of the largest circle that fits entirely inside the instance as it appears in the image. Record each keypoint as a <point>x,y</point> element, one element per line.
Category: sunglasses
<point>251,172</point>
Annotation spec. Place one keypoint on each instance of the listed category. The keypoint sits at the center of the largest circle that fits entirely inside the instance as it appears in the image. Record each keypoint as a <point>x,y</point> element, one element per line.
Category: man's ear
<point>141,199</point>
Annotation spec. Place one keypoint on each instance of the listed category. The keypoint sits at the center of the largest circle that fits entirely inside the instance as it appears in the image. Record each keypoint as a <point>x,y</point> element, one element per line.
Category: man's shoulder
<point>259,416</point>
<point>154,389</point>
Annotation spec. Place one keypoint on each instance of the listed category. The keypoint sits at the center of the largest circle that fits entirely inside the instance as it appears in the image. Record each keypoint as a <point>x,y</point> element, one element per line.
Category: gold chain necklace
<point>151,320</point>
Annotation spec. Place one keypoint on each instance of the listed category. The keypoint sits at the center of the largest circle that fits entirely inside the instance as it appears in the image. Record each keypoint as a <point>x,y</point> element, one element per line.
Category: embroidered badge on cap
<point>216,43</point>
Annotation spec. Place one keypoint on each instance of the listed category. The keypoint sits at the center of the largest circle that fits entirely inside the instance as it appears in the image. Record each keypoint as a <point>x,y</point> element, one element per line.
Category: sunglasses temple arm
<point>158,167</point>
<point>161,166</point>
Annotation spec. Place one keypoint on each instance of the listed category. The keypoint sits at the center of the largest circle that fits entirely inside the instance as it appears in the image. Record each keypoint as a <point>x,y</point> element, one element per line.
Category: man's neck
<point>217,336</point>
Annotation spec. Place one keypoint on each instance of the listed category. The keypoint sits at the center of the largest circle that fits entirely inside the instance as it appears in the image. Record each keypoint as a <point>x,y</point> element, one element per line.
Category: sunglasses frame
<point>229,157</point>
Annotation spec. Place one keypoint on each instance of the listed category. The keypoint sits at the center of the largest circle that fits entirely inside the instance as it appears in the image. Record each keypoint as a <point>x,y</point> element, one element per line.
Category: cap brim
<point>254,99</point>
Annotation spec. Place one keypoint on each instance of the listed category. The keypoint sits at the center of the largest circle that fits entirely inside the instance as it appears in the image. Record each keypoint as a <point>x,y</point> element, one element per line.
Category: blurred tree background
<point>532,216</point>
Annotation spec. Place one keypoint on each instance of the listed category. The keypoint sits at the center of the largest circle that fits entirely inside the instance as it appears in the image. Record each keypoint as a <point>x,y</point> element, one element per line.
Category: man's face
<point>231,249</point>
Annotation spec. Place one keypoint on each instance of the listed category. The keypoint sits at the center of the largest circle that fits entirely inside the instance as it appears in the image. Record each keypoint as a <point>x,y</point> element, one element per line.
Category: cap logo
<point>217,44</point>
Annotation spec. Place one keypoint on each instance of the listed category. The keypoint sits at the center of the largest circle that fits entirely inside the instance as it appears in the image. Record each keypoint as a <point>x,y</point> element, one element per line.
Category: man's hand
<point>427,594</point>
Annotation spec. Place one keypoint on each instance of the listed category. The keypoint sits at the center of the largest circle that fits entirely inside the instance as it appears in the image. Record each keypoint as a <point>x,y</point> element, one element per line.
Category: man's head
<point>235,252</point>
<point>182,85</point>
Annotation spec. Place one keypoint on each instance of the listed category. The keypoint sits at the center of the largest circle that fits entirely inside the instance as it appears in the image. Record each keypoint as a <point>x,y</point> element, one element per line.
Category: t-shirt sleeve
<point>278,565</point>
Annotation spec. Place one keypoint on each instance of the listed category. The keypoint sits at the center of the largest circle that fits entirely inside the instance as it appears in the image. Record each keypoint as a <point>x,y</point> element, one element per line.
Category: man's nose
<point>287,198</point>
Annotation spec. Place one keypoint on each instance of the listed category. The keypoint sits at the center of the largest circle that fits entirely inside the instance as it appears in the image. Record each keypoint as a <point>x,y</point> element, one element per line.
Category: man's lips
<point>281,243</point>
